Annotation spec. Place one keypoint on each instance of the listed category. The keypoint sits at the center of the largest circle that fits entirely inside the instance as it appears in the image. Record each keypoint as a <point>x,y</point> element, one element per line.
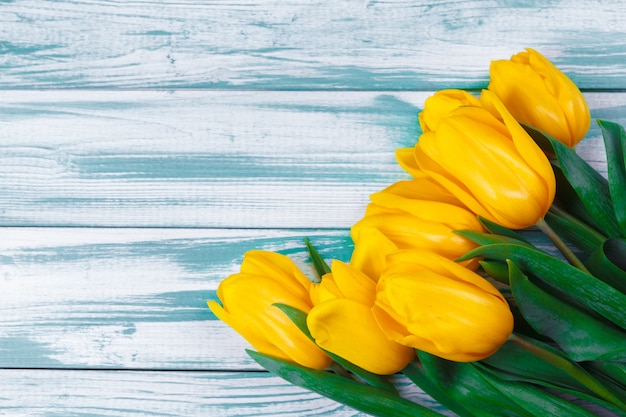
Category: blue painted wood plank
<point>132,394</point>
<point>197,158</point>
<point>210,158</point>
<point>328,44</point>
<point>133,298</point>
<point>130,298</point>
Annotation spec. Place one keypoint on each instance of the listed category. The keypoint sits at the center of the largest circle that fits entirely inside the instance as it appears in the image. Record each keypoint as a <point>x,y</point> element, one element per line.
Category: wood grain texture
<point>146,145</point>
<point>130,298</point>
<point>210,158</point>
<point>133,298</point>
<point>35,393</point>
<point>326,44</point>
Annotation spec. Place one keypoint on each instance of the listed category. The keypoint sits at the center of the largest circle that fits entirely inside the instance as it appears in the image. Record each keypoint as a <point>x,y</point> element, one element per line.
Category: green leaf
<point>464,384</point>
<point>591,188</point>
<point>574,230</point>
<point>569,393</point>
<point>496,270</point>
<point>585,289</point>
<point>419,378</point>
<point>581,336</point>
<point>524,366</point>
<point>321,267</point>
<point>359,396</point>
<point>496,229</point>
<point>489,238</point>
<point>614,371</point>
<point>298,317</point>
<point>615,145</point>
<point>535,400</point>
<point>608,263</point>
<point>574,369</point>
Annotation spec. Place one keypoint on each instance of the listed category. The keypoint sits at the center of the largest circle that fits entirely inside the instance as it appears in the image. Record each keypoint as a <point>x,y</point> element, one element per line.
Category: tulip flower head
<point>428,302</point>
<point>490,164</point>
<point>419,214</point>
<point>440,104</point>
<point>342,322</point>
<point>537,93</point>
<point>247,306</point>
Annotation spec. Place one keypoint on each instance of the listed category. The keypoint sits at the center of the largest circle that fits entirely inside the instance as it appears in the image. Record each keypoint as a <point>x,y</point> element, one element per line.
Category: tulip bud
<point>430,303</point>
<point>538,94</point>
<point>247,306</point>
<point>420,214</point>
<point>490,164</point>
<point>440,104</point>
<point>342,322</point>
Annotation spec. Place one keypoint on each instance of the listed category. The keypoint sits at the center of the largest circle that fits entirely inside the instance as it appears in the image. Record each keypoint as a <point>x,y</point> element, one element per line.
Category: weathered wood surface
<point>144,146</point>
<point>210,158</point>
<point>30,393</point>
<point>326,44</point>
<point>129,298</point>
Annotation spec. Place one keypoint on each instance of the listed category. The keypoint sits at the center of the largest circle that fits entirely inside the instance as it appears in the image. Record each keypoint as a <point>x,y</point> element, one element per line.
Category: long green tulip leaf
<point>581,336</point>
<point>614,371</point>
<point>575,231</point>
<point>615,145</point>
<point>522,365</point>
<point>583,397</point>
<point>608,263</point>
<point>359,396</point>
<point>591,188</point>
<point>321,267</point>
<point>298,317</point>
<point>489,238</point>
<point>419,378</point>
<point>464,384</point>
<point>496,270</point>
<point>582,287</point>
<point>496,229</point>
<point>535,400</point>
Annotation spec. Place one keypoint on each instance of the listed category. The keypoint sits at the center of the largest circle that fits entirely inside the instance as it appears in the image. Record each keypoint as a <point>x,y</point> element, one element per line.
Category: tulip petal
<point>370,249</point>
<point>353,283</point>
<point>247,307</point>
<point>538,94</point>
<point>348,329</point>
<point>469,149</point>
<point>442,103</point>
<point>420,188</point>
<point>277,266</point>
<point>528,149</point>
<point>405,159</point>
<point>409,232</point>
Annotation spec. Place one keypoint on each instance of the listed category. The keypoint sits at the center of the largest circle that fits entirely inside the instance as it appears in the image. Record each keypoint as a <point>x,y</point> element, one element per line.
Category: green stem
<point>561,246</point>
<point>571,368</point>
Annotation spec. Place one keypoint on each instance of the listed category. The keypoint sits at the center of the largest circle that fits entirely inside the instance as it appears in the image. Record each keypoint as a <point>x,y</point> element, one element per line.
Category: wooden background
<point>145,145</point>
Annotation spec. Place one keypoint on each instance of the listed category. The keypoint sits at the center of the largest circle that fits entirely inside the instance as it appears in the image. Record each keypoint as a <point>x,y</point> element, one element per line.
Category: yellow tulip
<point>436,107</point>
<point>247,300</point>
<point>440,104</point>
<point>418,214</point>
<point>537,93</point>
<point>406,159</point>
<point>490,164</point>
<point>430,303</point>
<point>370,252</point>
<point>343,323</point>
<point>344,282</point>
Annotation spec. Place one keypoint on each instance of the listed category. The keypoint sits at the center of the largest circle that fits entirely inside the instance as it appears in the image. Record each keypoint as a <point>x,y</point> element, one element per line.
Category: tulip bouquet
<point>443,287</point>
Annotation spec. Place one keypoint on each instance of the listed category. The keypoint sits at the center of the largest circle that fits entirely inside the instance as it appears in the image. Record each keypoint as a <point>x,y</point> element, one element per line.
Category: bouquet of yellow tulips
<point>444,289</point>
